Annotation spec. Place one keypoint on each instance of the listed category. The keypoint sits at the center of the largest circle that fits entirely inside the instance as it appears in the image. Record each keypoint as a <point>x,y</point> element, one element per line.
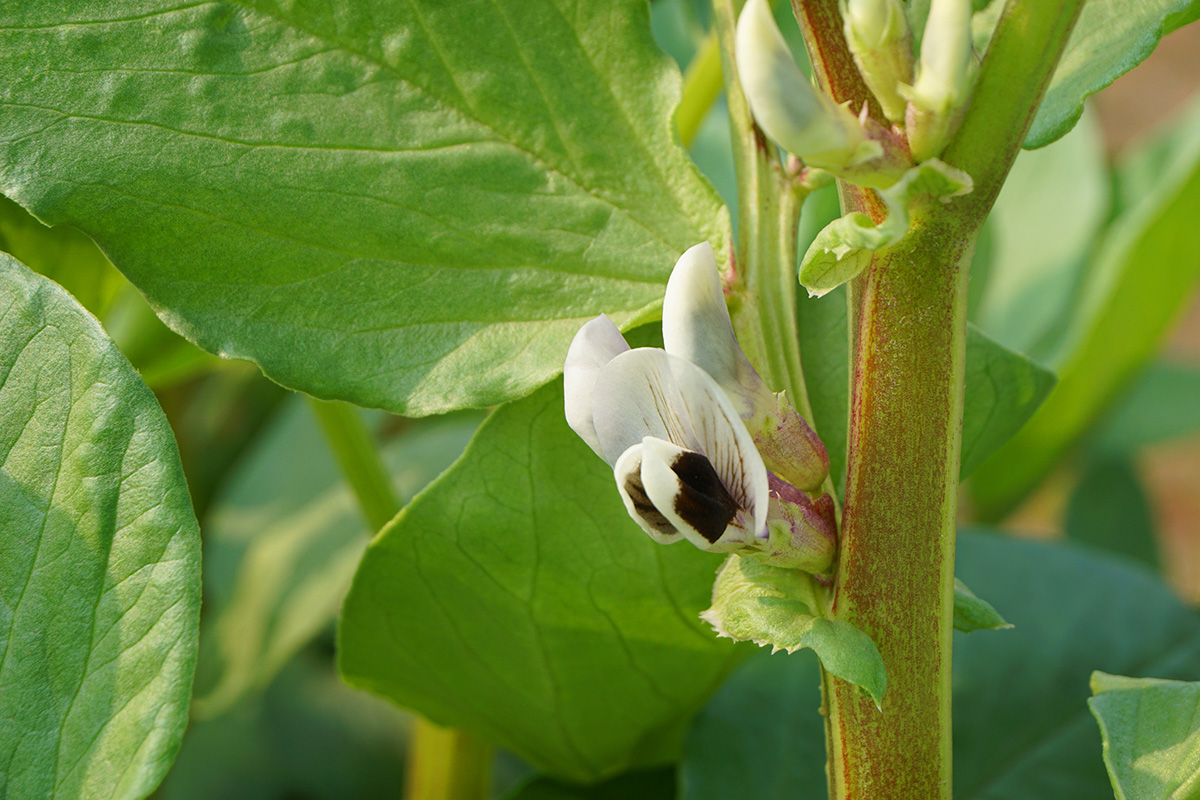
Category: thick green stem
<point>896,569</point>
<point>443,763</point>
<point>895,573</point>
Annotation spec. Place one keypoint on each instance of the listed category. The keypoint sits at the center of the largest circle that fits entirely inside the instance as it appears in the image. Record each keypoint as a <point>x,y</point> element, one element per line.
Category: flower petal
<point>647,392</point>
<point>686,490</point>
<point>803,120</point>
<point>628,473</point>
<point>597,343</point>
<point>696,327</point>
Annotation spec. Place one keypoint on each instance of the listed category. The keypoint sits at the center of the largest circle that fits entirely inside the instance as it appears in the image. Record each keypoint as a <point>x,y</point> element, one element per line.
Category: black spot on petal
<point>703,502</point>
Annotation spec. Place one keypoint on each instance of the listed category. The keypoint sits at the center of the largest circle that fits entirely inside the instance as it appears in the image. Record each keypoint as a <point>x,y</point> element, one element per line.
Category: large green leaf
<point>407,205</point>
<point>307,737</point>
<point>283,541</point>
<point>1160,407</point>
<point>1142,278</point>
<point>653,784</point>
<point>64,255</point>
<point>1151,731</point>
<point>99,559</point>
<point>1003,390</point>
<point>1110,38</point>
<point>1040,253</point>
<point>514,597</point>
<point>1109,509</point>
<point>1021,723</point>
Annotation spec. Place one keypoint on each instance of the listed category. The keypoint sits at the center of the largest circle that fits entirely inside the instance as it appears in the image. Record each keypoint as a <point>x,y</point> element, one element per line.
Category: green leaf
<point>307,736</point>
<point>1109,509</point>
<point>761,736</point>
<point>1151,731</point>
<point>99,559</point>
<point>1074,611</point>
<point>515,598</point>
<point>973,614</point>
<point>1110,38</point>
<point>1003,390</point>
<point>73,261</point>
<point>778,608</point>
<point>282,543</point>
<point>1142,278</point>
<point>1021,723</point>
<point>1041,254</point>
<point>1160,407</point>
<point>64,255</point>
<point>656,784</point>
<point>398,204</point>
<point>824,348</point>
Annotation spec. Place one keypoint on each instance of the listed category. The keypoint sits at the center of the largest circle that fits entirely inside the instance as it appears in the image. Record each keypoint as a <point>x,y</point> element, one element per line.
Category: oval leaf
<point>99,559</point>
<point>1110,38</point>
<point>411,206</point>
<point>1124,312</point>
<point>1151,731</point>
<point>517,599</point>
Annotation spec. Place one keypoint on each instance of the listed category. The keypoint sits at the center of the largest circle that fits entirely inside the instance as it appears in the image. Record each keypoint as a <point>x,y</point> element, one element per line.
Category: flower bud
<point>802,533</point>
<point>789,447</point>
<point>803,120</point>
<point>937,97</point>
<point>881,42</point>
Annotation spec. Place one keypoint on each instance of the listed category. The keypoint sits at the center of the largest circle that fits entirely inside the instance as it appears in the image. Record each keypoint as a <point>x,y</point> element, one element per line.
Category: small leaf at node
<point>775,607</point>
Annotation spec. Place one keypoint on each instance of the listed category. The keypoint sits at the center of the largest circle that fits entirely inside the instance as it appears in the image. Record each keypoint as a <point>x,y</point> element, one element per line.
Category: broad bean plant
<point>832,287</point>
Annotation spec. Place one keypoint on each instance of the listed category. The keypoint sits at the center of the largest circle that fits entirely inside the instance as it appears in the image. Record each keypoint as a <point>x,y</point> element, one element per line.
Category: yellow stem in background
<point>701,87</point>
<point>446,764</point>
<point>443,763</point>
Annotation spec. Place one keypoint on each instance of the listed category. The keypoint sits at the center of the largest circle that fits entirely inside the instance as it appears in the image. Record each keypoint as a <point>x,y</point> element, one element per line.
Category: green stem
<point>359,459</point>
<point>447,764</point>
<point>896,562</point>
<point>443,763</point>
<point>701,87</point>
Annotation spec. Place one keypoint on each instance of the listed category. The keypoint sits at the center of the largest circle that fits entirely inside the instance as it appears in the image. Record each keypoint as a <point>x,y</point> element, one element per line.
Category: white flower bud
<point>878,35</point>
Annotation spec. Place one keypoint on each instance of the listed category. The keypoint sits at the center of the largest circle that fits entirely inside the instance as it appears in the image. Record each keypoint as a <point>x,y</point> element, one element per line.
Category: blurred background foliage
<point>1112,460</point>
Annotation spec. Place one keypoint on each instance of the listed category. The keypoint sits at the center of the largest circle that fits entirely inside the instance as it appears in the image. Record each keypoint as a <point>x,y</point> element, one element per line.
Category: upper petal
<point>648,392</point>
<point>597,343</point>
<point>696,327</point>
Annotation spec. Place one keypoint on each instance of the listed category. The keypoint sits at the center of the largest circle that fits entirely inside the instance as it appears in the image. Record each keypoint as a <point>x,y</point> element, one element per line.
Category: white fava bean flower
<point>676,427</point>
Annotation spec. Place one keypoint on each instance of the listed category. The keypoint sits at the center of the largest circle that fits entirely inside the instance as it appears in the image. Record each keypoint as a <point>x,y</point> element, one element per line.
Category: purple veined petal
<point>696,327</point>
<point>648,392</point>
<point>596,343</point>
<point>628,472</point>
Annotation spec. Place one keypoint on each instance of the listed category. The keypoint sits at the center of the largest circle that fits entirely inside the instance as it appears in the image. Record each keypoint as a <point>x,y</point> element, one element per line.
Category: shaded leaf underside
<point>409,205</point>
